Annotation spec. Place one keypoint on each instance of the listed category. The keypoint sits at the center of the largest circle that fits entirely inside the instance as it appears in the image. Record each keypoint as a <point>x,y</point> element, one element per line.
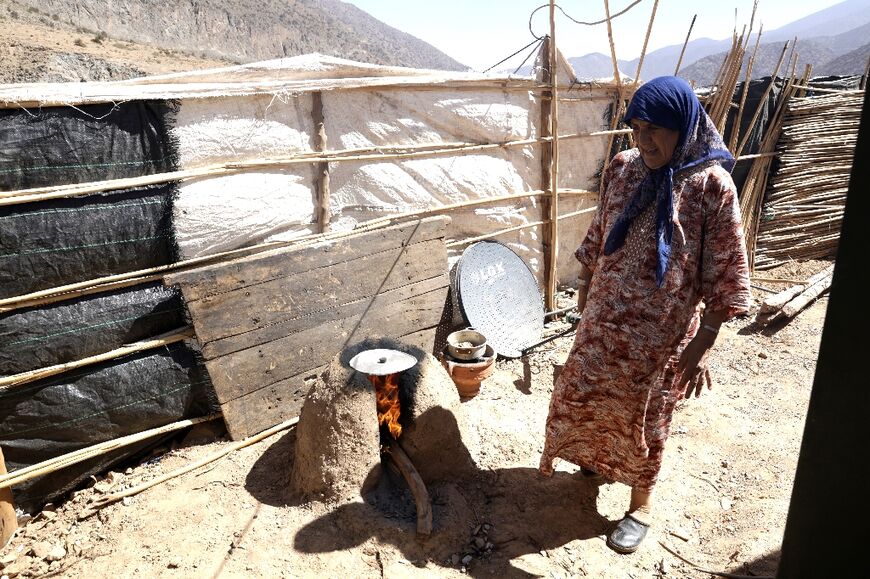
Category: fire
<point>387,396</point>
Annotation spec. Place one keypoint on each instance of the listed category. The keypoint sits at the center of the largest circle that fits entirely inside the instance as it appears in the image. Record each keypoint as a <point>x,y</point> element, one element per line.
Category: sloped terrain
<point>248,30</point>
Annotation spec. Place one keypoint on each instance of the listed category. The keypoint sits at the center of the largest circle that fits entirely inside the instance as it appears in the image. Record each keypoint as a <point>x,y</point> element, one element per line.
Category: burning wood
<point>417,486</point>
<point>387,399</point>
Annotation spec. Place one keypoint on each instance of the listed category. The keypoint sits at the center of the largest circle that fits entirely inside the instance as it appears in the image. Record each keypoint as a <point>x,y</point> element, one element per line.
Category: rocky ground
<point>36,48</point>
<point>722,499</point>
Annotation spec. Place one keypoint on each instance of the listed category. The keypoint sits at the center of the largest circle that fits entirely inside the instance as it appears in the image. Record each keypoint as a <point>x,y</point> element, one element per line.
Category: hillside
<point>704,71</point>
<point>822,37</point>
<point>251,30</point>
<point>854,62</point>
<point>35,48</point>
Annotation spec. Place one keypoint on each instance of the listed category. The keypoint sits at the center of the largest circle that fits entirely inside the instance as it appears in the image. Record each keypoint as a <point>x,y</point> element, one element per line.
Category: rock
<point>173,565</point>
<point>455,559</point>
<point>762,355</point>
<point>48,515</point>
<point>479,543</point>
<point>40,549</point>
<point>18,566</point>
<point>467,559</point>
<point>725,503</point>
<point>56,554</point>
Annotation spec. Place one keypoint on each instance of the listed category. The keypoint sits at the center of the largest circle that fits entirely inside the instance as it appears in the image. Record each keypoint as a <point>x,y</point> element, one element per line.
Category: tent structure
<point>105,188</point>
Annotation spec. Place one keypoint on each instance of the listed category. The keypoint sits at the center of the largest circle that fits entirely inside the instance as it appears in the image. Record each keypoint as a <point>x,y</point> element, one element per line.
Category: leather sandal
<point>628,535</point>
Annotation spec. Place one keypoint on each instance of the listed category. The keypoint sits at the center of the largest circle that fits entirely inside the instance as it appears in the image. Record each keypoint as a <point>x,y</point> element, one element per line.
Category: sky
<point>479,33</point>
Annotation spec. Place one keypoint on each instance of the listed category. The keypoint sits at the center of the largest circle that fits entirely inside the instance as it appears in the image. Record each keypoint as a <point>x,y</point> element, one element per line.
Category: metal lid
<point>499,297</point>
<point>381,361</point>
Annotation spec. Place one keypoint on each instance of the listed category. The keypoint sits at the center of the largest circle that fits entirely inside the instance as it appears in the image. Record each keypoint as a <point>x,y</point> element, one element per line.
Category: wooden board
<point>268,324</point>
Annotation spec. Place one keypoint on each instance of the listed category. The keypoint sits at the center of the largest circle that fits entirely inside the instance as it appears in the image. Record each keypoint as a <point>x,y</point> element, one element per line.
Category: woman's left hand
<point>692,372</point>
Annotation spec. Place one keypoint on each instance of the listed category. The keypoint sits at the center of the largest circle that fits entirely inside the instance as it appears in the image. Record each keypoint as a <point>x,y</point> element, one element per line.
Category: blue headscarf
<point>669,102</point>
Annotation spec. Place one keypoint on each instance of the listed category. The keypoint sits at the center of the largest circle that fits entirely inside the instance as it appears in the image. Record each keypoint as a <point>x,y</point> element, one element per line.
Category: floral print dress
<point>613,401</point>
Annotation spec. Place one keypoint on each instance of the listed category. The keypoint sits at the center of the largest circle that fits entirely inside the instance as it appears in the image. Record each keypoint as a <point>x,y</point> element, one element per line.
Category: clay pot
<point>466,344</point>
<point>468,375</point>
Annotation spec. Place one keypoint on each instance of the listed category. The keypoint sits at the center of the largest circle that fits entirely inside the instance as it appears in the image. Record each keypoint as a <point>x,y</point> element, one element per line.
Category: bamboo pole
<point>761,103</point>
<point>685,43</point>
<point>413,152</point>
<point>7,382</point>
<point>746,82</point>
<point>54,464</point>
<point>645,42</point>
<point>321,179</point>
<point>553,233</point>
<point>231,447</point>
<point>107,283</point>
<point>617,110</point>
<point>516,228</point>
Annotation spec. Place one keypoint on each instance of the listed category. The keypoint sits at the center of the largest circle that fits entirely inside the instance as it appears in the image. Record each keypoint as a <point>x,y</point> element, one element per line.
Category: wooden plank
<point>278,300</point>
<point>219,278</point>
<point>268,406</point>
<point>263,408</point>
<point>250,369</point>
<point>351,309</point>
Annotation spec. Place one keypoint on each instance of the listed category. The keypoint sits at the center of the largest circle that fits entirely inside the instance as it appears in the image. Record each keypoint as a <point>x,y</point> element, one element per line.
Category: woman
<point>666,237</point>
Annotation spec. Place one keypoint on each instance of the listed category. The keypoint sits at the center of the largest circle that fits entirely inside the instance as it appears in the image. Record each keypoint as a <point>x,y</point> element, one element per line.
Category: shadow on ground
<point>526,513</point>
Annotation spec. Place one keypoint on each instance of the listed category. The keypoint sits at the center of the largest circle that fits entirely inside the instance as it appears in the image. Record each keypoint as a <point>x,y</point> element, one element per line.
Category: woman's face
<point>656,143</point>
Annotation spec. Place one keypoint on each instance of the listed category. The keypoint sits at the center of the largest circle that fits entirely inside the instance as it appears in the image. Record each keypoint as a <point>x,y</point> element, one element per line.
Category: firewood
<point>776,302</point>
<point>792,308</point>
<point>417,486</point>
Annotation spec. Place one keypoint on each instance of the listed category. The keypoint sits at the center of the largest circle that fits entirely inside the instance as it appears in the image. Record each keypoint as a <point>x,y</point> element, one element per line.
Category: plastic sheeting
<point>63,145</point>
<point>753,100</point>
<point>71,330</point>
<point>61,241</point>
<point>62,414</point>
<point>216,214</point>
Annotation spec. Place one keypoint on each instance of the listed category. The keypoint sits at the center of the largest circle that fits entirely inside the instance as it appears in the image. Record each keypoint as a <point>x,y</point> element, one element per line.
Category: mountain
<point>704,71</point>
<point>247,30</point>
<point>831,21</point>
<point>822,37</point>
<point>854,62</point>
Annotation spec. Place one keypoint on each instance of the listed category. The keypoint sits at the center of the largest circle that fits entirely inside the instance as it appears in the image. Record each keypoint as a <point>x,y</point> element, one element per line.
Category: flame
<point>387,396</point>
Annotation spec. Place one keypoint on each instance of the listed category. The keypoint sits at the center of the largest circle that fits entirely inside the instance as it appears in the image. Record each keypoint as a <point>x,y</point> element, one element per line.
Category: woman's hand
<point>692,372</point>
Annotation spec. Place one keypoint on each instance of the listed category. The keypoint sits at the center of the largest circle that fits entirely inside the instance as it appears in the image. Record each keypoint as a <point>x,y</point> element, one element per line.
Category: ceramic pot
<point>466,344</point>
<point>468,375</point>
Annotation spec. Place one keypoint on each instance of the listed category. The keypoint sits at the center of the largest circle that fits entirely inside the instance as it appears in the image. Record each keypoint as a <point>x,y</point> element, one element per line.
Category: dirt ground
<point>722,499</point>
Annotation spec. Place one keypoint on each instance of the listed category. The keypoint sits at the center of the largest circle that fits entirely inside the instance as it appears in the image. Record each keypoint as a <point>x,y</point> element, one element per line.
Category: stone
<point>56,554</point>
<point>40,549</point>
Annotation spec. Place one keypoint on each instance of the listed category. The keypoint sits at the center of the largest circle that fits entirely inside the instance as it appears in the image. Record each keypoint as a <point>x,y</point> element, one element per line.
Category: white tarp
<point>220,213</point>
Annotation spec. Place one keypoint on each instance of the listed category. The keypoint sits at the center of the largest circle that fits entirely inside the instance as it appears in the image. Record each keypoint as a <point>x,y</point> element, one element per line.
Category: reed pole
<point>645,41</point>
<point>683,51</point>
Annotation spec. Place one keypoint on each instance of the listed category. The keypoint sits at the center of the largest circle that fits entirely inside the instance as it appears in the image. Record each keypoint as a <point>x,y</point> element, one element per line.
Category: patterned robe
<point>612,404</point>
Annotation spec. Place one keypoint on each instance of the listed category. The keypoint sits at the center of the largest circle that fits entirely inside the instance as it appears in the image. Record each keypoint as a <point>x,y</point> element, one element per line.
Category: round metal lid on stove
<point>382,361</point>
<point>499,297</point>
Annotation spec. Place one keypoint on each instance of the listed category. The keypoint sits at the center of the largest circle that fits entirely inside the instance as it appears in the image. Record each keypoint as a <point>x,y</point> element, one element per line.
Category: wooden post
<point>321,170</point>
<point>8,518</point>
<point>552,277</point>
<point>683,51</point>
<point>546,157</point>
